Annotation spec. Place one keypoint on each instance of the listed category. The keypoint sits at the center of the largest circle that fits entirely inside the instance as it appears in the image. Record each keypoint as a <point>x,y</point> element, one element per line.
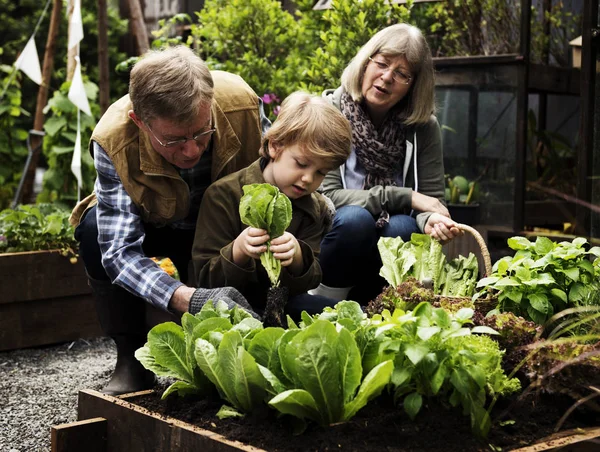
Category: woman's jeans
<point>349,255</point>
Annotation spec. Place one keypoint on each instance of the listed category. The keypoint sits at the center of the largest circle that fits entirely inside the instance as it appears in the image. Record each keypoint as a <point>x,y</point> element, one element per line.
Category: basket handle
<point>484,249</point>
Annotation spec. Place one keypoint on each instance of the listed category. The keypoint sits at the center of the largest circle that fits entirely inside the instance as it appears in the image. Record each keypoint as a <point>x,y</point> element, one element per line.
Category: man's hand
<point>442,228</point>
<point>424,203</point>
<point>180,301</point>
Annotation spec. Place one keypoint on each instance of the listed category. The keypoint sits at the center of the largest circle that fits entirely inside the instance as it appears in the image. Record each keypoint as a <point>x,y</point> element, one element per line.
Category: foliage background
<point>274,50</point>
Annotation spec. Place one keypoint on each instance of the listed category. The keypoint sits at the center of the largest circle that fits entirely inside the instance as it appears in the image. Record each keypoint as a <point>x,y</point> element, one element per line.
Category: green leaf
<point>539,302</point>
<point>425,333</point>
<point>370,388</point>
<point>578,293</point>
<point>317,367</point>
<point>182,388</point>
<point>412,404</point>
<point>144,356</point>
<point>560,294</point>
<point>263,347</point>
<point>349,360</point>
<point>298,403</point>
<point>519,243</point>
<point>572,273</point>
<point>482,329</point>
<point>227,412</point>
<point>416,352</point>
<point>167,344</point>
<point>439,377</point>
<point>54,124</point>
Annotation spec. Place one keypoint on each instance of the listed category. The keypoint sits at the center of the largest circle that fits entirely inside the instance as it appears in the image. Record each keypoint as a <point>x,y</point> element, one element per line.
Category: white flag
<point>29,62</point>
<point>75,26</point>
<point>77,90</point>
<point>76,161</point>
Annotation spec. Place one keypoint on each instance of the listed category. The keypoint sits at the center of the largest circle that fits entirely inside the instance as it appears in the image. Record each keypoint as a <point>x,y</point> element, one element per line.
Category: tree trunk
<point>42,99</point>
<point>103,56</point>
<point>138,27</point>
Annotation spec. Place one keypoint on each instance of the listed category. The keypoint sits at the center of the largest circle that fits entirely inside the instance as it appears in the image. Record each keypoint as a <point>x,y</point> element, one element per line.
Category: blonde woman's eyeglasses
<point>397,76</point>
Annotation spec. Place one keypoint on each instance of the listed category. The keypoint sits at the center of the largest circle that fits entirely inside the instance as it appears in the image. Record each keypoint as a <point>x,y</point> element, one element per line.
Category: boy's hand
<point>249,245</point>
<point>287,249</point>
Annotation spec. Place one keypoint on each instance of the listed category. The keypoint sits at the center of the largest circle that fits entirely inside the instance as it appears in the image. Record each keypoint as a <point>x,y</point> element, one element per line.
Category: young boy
<point>309,138</point>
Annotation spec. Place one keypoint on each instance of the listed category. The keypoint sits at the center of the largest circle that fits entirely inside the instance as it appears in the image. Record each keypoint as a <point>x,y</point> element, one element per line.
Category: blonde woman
<point>393,182</point>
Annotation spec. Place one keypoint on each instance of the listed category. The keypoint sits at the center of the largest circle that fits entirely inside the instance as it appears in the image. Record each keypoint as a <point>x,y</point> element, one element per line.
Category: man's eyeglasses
<point>397,76</point>
<point>172,143</point>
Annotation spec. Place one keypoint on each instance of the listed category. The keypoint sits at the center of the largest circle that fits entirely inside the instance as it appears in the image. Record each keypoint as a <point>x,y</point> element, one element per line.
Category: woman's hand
<point>424,203</point>
<point>442,228</point>
<point>250,244</point>
<point>287,249</point>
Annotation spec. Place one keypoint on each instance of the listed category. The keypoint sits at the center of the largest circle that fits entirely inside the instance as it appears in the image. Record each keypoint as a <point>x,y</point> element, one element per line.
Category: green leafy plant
<point>543,277</point>
<point>263,206</point>
<point>37,227</point>
<point>422,258</point>
<point>258,40</point>
<point>324,366</point>
<point>59,183</point>
<point>437,355</point>
<point>13,152</point>
<point>192,353</point>
<point>459,190</point>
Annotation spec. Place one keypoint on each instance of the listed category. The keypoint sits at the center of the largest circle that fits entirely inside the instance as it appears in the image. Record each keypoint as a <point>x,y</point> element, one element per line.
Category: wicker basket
<point>483,305</point>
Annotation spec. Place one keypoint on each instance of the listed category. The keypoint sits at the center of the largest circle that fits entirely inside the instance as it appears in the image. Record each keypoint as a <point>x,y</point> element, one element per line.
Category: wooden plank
<point>40,274</point>
<point>581,439</point>
<point>43,322</point>
<point>88,435</point>
<point>133,428</point>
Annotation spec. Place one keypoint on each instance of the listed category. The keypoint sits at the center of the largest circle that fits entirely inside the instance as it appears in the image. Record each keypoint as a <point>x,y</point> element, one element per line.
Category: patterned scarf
<point>380,151</point>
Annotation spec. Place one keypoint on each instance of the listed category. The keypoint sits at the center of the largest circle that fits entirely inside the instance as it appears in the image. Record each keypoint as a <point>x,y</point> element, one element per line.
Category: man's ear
<point>136,119</point>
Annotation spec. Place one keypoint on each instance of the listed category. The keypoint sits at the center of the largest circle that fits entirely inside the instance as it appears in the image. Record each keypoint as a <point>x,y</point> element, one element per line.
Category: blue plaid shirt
<point>121,230</point>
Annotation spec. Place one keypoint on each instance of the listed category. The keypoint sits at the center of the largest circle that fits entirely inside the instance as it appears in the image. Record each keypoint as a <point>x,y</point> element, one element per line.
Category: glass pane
<point>551,166</point>
<point>477,113</point>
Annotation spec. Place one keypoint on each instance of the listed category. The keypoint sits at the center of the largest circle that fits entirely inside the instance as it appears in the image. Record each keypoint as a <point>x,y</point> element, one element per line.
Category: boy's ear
<point>274,150</point>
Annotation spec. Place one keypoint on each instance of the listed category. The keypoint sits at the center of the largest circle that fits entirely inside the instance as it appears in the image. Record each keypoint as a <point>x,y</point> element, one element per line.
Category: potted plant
<point>44,297</point>
<point>462,197</point>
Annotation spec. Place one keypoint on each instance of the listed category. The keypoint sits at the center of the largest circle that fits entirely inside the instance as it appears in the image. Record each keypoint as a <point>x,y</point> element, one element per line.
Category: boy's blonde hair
<point>408,41</point>
<point>315,125</point>
<point>173,83</point>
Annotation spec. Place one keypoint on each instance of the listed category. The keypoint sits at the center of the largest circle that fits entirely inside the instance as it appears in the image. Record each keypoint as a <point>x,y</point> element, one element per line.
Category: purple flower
<point>276,110</point>
<point>267,98</point>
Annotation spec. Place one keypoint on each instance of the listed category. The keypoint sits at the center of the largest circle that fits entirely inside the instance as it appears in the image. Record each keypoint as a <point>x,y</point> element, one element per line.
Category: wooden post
<point>104,84</point>
<point>138,27</point>
<point>72,52</point>
<point>42,98</point>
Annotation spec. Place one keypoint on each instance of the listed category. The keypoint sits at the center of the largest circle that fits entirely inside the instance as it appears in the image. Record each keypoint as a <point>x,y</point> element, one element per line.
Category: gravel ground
<point>39,386</point>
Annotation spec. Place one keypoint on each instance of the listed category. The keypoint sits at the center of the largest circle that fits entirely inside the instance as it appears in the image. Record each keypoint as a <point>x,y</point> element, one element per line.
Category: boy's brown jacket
<point>219,225</point>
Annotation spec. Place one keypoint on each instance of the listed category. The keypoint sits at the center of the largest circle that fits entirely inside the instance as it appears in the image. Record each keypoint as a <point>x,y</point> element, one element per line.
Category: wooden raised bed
<point>117,424</point>
<point>44,299</point>
<point>120,426</point>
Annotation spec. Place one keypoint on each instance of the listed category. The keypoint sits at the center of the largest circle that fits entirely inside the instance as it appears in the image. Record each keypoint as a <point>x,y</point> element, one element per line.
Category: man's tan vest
<point>154,184</point>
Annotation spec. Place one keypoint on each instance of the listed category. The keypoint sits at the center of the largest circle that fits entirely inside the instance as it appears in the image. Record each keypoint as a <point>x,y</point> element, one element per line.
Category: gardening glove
<point>230,295</point>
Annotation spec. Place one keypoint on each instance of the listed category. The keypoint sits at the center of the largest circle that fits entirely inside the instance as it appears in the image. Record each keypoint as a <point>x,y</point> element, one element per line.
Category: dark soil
<point>277,298</point>
<point>380,426</point>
